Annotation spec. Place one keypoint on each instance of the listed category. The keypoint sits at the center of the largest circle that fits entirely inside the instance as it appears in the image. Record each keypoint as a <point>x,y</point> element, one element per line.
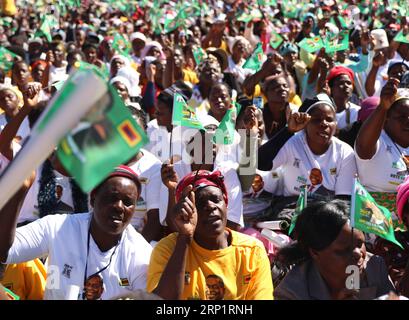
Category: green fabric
<point>301,204</point>
<point>184,115</point>
<point>227,127</point>
<point>311,45</point>
<point>368,216</point>
<point>401,38</point>
<point>107,137</point>
<point>254,62</point>
<point>6,59</point>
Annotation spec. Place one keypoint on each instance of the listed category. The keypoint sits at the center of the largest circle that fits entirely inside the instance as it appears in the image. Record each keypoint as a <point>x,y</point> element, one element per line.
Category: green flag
<point>301,204</point>
<point>184,115</point>
<point>337,42</point>
<point>368,216</point>
<point>401,38</point>
<point>49,22</point>
<point>106,137</point>
<point>199,54</point>
<point>227,127</point>
<point>311,45</point>
<point>121,45</point>
<point>172,24</point>
<point>255,61</point>
<point>6,59</point>
<point>275,40</point>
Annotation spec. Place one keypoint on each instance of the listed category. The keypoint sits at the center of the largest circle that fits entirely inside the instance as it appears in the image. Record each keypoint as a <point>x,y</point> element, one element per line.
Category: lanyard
<point>86,263</point>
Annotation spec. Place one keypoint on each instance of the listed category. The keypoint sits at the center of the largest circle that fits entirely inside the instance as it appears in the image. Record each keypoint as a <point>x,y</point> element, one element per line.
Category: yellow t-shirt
<point>190,76</point>
<point>27,279</point>
<point>238,272</point>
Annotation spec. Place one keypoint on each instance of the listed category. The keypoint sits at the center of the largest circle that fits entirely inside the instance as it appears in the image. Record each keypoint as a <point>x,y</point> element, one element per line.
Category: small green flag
<point>48,24</point>
<point>255,61</point>
<point>401,38</point>
<point>227,127</point>
<point>184,115</point>
<point>337,42</point>
<point>301,204</point>
<point>275,40</point>
<point>368,216</point>
<point>11,294</point>
<point>311,45</point>
<point>173,24</point>
<point>6,59</point>
<point>106,137</point>
<point>121,45</point>
<point>199,54</point>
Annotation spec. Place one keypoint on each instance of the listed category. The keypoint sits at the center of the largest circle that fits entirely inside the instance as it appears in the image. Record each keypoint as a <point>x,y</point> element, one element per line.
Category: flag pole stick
<point>353,199</point>
<point>170,147</point>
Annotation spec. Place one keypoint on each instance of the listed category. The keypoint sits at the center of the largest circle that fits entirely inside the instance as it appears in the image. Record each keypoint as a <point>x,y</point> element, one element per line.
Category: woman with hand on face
<point>192,262</point>
<point>382,145</point>
<point>326,247</point>
<point>314,150</point>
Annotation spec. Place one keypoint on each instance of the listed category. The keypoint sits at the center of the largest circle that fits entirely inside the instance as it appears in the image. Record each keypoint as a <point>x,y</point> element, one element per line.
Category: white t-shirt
<point>386,170</point>
<point>353,116</point>
<point>255,201</point>
<point>64,239</point>
<point>337,166</point>
<point>235,206</point>
<point>148,170</point>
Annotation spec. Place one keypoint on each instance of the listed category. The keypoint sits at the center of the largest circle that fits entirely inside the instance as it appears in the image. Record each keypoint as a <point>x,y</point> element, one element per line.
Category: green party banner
<point>368,216</point>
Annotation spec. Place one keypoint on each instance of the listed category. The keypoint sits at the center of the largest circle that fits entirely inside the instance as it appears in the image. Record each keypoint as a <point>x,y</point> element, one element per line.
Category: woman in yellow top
<point>26,279</point>
<point>204,259</point>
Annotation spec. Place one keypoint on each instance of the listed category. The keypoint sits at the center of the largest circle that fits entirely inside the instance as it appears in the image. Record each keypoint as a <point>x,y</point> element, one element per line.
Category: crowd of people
<point>190,216</point>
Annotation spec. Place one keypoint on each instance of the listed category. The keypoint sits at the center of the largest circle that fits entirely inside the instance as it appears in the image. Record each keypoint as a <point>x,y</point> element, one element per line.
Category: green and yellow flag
<point>368,216</point>
<point>6,59</point>
<point>184,115</point>
<point>275,40</point>
<point>337,42</point>
<point>227,127</point>
<point>199,54</point>
<point>255,61</point>
<point>121,45</point>
<point>105,138</point>
<point>301,204</point>
<point>400,37</point>
<point>311,45</point>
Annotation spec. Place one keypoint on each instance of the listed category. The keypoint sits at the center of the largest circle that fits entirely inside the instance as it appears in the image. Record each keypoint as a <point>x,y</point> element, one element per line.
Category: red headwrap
<point>126,172</point>
<point>338,70</point>
<point>38,62</point>
<point>200,179</point>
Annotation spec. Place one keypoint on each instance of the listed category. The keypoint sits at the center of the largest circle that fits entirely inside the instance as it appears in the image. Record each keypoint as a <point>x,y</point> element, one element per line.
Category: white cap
<point>381,39</point>
<point>138,35</point>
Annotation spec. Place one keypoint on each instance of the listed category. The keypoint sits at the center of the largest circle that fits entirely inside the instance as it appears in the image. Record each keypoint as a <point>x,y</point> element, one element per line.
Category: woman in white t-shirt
<point>99,246</point>
<point>314,158</point>
<point>382,145</point>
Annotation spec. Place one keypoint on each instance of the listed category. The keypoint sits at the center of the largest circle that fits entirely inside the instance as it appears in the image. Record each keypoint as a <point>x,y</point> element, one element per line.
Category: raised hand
<point>297,121</point>
<point>169,177</point>
<point>388,93</point>
<point>184,213</point>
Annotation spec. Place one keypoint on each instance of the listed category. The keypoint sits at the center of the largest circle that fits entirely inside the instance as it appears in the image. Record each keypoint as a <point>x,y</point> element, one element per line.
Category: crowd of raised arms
<point>316,94</point>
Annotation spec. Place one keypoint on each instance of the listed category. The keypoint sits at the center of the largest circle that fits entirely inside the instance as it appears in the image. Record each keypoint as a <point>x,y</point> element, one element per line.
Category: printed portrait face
<point>214,288</point>
<point>94,287</point>
<point>316,177</point>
